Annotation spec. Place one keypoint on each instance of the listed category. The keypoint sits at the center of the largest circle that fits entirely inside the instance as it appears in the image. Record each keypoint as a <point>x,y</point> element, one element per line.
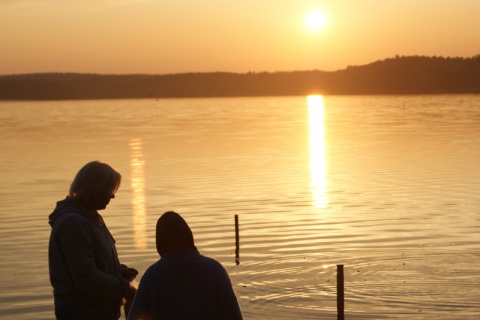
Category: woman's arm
<point>74,237</point>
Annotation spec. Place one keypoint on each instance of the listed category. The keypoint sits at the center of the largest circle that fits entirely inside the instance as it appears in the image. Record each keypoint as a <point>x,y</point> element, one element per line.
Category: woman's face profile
<point>100,202</point>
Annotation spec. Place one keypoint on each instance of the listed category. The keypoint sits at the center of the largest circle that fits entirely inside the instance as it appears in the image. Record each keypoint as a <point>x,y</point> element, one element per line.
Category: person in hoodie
<point>87,278</point>
<point>183,284</point>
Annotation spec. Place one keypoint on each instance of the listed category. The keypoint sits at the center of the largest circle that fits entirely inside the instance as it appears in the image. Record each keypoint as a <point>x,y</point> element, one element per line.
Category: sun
<point>316,20</point>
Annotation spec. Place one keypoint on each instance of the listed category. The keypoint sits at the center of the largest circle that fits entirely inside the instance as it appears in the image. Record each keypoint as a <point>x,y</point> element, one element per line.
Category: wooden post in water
<point>340,293</point>
<point>237,242</point>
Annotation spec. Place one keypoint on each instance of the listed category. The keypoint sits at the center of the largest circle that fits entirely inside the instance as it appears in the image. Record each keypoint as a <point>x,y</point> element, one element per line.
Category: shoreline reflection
<point>318,162</point>
<point>137,164</point>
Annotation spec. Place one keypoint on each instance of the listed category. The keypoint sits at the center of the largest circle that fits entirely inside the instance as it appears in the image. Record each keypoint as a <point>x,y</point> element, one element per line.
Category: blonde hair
<point>94,179</point>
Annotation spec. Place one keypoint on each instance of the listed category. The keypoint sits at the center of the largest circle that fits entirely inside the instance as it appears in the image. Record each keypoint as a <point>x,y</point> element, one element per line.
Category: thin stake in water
<point>340,293</point>
<point>237,242</point>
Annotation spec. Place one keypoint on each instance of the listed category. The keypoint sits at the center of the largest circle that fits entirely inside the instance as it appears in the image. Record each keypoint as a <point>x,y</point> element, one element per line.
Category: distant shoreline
<point>392,76</point>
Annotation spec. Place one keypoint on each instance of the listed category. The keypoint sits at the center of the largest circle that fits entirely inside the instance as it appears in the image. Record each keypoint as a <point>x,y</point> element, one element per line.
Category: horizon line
<point>232,72</point>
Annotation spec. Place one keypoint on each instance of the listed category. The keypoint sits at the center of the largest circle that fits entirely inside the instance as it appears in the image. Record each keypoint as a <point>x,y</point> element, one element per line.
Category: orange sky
<point>173,36</point>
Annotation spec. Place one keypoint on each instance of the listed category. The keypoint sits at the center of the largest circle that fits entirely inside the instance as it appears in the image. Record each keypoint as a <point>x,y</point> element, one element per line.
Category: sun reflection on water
<point>137,164</point>
<point>318,162</point>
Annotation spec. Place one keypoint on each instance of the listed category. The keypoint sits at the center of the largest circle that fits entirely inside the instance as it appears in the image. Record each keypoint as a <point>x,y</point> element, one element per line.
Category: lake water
<point>386,185</point>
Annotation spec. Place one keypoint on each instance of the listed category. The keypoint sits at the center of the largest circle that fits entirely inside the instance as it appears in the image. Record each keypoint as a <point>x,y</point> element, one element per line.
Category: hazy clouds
<point>67,5</point>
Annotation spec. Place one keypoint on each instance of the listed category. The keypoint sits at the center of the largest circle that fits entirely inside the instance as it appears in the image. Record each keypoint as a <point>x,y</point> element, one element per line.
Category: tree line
<point>397,75</point>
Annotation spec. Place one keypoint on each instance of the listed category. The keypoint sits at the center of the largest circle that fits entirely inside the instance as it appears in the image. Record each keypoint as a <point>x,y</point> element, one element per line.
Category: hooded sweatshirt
<point>183,284</point>
<point>83,262</point>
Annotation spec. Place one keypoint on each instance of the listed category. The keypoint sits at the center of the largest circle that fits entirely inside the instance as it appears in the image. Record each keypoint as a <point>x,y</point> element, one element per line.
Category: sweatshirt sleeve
<point>227,303</point>
<point>141,307</point>
<point>77,247</point>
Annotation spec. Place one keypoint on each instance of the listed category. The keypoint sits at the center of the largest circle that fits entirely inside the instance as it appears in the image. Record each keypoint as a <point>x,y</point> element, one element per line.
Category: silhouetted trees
<point>397,75</point>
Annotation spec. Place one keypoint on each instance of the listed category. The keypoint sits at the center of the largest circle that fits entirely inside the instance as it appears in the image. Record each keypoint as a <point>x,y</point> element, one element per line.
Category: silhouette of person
<point>87,278</point>
<point>183,284</point>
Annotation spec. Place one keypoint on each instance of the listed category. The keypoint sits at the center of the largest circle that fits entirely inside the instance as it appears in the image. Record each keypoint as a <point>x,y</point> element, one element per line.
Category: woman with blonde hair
<point>87,278</point>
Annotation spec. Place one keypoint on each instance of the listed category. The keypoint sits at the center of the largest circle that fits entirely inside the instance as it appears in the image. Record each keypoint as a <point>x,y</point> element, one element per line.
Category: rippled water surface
<point>386,185</point>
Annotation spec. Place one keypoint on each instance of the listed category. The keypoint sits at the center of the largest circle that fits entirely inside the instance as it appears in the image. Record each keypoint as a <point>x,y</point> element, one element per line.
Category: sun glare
<point>316,20</point>
<point>318,158</point>
<point>137,164</point>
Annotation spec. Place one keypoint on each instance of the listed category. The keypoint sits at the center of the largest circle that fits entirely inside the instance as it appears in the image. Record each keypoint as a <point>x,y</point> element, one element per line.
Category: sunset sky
<point>175,36</point>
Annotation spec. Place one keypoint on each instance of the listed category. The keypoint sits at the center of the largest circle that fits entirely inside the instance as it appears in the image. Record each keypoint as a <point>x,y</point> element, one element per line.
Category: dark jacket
<point>183,284</point>
<point>83,262</point>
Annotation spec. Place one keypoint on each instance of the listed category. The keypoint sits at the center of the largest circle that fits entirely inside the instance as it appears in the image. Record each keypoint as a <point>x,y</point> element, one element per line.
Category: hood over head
<point>173,234</point>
